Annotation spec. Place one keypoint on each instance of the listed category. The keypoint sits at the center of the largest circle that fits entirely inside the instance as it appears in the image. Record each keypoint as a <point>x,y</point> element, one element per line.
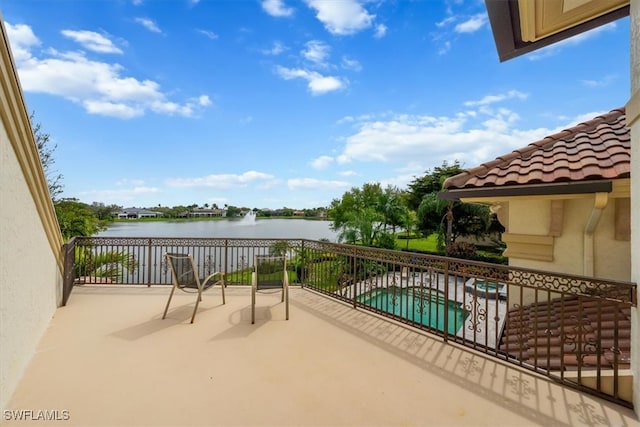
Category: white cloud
<point>491,99</point>
<point>444,48</point>
<point>100,87</point>
<point>117,196</point>
<point>445,22</point>
<point>210,34</point>
<point>92,41</point>
<point>351,64</point>
<point>424,141</point>
<point>276,8</point>
<point>583,118</point>
<point>134,182</point>
<point>276,49</point>
<point>317,83</point>
<point>322,162</point>
<point>22,40</point>
<point>314,184</point>
<point>343,159</point>
<point>316,52</point>
<point>342,17</point>
<point>472,24</point>
<point>381,31</point>
<point>605,81</point>
<point>148,24</point>
<point>348,173</point>
<point>112,109</point>
<point>204,100</point>
<point>222,181</point>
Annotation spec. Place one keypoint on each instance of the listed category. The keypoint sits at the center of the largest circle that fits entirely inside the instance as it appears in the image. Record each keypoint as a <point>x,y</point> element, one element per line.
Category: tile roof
<point>537,335</point>
<point>599,149</point>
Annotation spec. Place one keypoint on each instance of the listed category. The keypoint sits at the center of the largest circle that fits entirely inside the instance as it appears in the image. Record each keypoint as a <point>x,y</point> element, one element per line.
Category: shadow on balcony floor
<point>108,359</point>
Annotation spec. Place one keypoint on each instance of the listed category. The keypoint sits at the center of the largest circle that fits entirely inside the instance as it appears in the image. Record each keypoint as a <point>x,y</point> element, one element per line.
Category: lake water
<point>245,228</point>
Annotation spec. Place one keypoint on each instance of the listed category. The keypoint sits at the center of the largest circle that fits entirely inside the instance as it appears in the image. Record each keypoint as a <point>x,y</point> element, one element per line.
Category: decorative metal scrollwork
<point>580,340</point>
<point>388,260</point>
<point>478,315</point>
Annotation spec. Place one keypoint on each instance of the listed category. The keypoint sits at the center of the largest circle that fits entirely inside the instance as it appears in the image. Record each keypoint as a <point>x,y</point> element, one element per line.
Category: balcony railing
<point>572,329</point>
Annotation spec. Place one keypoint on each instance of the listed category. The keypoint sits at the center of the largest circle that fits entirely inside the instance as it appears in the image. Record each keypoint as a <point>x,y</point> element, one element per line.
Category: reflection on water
<point>262,228</point>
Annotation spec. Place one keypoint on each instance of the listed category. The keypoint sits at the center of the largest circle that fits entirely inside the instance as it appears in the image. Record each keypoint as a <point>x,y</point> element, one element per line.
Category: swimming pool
<point>425,306</point>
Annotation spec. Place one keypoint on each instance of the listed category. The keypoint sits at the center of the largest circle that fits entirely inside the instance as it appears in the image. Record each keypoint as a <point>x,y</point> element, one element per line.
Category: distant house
<point>137,213</point>
<point>298,213</point>
<point>208,213</point>
<point>564,200</point>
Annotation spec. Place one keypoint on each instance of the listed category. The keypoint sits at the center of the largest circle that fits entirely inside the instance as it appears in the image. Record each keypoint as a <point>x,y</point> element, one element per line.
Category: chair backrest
<point>183,270</point>
<point>271,271</point>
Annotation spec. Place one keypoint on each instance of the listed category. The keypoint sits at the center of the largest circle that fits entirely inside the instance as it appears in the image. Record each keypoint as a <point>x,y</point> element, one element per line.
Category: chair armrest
<point>209,277</point>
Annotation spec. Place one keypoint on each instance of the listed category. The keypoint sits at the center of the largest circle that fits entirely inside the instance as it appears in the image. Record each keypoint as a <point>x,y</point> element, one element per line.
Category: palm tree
<point>109,265</point>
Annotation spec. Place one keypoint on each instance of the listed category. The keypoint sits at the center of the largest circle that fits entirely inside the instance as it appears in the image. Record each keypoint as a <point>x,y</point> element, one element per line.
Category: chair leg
<point>286,289</point>
<point>222,286</point>
<point>173,288</point>
<point>253,305</point>
<point>193,317</point>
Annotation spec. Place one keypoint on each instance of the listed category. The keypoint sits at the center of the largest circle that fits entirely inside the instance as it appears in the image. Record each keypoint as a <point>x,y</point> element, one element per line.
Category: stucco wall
<point>30,241</point>
<point>611,257</point>
<point>28,274</point>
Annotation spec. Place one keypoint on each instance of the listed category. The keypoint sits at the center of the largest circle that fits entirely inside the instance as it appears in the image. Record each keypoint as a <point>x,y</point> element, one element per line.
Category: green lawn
<point>424,244</point>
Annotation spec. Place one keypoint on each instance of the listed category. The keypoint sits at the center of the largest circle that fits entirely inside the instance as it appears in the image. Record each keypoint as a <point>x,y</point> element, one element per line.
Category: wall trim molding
<point>528,246</point>
<point>16,121</point>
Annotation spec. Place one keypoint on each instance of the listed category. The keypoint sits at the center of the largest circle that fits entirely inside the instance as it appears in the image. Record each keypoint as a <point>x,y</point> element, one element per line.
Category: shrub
<point>462,250</point>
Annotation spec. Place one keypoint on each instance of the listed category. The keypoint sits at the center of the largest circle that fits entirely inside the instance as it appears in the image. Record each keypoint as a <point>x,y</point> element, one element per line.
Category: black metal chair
<point>185,277</point>
<point>270,272</point>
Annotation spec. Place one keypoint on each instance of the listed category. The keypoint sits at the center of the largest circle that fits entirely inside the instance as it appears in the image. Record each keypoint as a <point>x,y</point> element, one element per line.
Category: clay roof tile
<point>596,149</point>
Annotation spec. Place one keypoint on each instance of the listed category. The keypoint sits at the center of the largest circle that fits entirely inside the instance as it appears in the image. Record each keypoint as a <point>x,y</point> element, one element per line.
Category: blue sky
<point>282,103</point>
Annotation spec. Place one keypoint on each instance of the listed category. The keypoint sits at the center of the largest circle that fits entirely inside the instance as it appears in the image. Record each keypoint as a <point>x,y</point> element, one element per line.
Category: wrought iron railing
<point>573,329</point>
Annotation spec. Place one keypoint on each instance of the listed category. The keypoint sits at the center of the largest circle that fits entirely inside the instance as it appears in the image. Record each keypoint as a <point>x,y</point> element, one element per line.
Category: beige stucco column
<point>633,120</point>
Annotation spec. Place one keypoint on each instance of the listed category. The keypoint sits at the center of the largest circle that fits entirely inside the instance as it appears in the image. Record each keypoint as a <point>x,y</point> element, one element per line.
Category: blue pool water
<point>491,286</point>
<point>424,306</point>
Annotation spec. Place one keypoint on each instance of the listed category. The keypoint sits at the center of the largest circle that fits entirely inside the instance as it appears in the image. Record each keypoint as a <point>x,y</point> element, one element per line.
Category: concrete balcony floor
<point>108,359</point>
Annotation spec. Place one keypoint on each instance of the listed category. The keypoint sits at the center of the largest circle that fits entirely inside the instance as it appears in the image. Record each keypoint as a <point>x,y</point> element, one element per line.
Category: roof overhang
<point>585,187</point>
<point>522,26</point>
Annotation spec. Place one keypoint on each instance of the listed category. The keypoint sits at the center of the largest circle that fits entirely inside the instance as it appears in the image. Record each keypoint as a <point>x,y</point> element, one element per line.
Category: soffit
<point>522,26</point>
<point>542,18</point>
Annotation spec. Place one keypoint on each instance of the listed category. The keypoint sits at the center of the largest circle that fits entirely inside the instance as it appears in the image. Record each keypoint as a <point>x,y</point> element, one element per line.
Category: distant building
<point>136,213</point>
<point>208,213</point>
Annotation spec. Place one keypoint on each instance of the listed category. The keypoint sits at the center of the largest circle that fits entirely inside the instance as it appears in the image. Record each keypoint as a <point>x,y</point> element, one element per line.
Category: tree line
<point>371,215</point>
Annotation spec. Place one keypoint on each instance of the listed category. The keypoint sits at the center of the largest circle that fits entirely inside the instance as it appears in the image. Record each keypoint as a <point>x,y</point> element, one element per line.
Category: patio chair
<point>185,277</point>
<point>270,272</point>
